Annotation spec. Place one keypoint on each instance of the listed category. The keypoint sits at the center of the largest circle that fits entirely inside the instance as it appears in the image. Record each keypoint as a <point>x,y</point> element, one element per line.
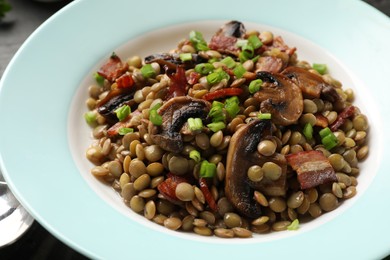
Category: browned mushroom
<point>168,61</point>
<point>175,113</point>
<point>226,38</point>
<point>242,154</point>
<point>115,99</point>
<point>281,97</point>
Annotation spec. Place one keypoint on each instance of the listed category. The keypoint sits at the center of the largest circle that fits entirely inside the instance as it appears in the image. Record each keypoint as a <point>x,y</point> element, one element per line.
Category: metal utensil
<point>14,219</point>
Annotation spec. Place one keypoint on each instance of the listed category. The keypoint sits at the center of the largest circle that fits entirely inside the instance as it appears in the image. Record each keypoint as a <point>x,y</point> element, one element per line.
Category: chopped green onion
<point>308,131</point>
<point>217,76</point>
<point>243,56</point>
<point>320,68</point>
<point>195,155</point>
<point>324,132</point>
<point>125,130</point>
<point>204,68</point>
<point>264,116</point>
<point>156,106</point>
<point>255,85</point>
<point>329,141</point>
<point>99,78</point>
<point>229,62</point>
<point>154,117</point>
<point>197,41</point>
<point>212,60</point>
<point>147,71</point>
<point>195,124</point>
<point>207,170</point>
<point>239,71</point>
<point>216,126</point>
<point>255,41</point>
<point>255,59</point>
<point>294,225</point>
<point>90,117</point>
<point>216,112</point>
<point>123,112</point>
<point>185,56</point>
<point>232,106</point>
<point>248,49</point>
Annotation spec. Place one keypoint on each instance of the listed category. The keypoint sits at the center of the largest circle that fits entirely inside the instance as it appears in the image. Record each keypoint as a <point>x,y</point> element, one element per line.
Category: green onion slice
<point>255,41</point>
<point>99,78</point>
<point>195,124</point>
<point>229,62</point>
<point>123,112</point>
<point>185,56</point>
<point>264,116</point>
<point>90,117</point>
<point>216,126</point>
<point>232,106</point>
<point>195,155</point>
<point>125,130</point>
<point>198,41</point>
<point>204,68</point>
<point>207,170</point>
<point>255,85</point>
<point>239,71</point>
<point>320,68</point>
<point>294,225</point>
<point>147,71</point>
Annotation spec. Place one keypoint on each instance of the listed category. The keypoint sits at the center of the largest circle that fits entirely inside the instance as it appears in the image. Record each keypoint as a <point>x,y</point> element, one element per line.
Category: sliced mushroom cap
<point>225,39</point>
<point>169,61</point>
<point>281,97</point>
<point>242,154</point>
<point>174,114</point>
<point>115,99</point>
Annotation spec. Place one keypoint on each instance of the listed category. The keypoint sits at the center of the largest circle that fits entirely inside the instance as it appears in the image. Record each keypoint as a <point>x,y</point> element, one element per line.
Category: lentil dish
<point>229,137</point>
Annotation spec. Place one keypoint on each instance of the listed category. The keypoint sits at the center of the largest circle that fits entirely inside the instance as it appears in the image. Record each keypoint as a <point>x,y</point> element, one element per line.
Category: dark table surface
<point>24,18</point>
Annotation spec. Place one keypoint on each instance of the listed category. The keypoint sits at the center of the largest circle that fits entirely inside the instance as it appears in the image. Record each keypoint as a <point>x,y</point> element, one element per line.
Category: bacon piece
<point>125,81</point>
<point>223,93</point>
<point>224,44</point>
<point>113,68</point>
<point>279,43</point>
<point>270,64</point>
<point>178,83</point>
<point>207,194</point>
<point>346,113</point>
<point>193,78</point>
<point>168,187</point>
<point>321,120</point>
<point>313,168</point>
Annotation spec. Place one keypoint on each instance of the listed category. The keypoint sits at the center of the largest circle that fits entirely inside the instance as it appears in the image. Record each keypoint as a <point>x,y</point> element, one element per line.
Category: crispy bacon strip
<point>113,68</point>
<point>321,120</point>
<point>313,168</point>
<point>178,83</point>
<point>224,44</point>
<point>125,81</point>
<point>346,113</point>
<point>207,194</point>
<point>270,64</point>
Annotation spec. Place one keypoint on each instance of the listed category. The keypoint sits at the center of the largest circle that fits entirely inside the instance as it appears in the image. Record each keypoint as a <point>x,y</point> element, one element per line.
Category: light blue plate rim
<point>40,81</point>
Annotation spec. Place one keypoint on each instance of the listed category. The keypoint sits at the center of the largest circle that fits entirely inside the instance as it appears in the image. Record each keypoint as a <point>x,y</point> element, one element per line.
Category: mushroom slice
<point>174,114</point>
<point>242,154</point>
<point>281,97</point>
<point>169,61</point>
<point>225,39</point>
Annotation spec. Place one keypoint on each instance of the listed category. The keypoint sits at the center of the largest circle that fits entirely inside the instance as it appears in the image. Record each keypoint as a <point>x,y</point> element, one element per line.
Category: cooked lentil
<point>165,185</point>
